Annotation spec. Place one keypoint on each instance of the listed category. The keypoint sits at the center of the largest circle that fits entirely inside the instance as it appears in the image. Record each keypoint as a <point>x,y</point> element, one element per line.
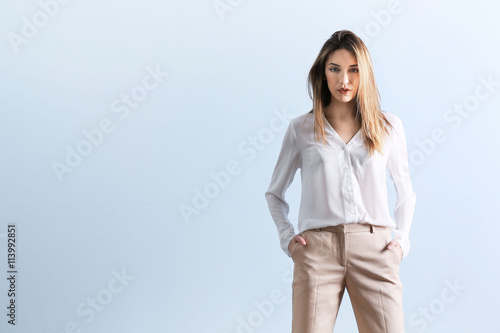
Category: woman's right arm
<point>289,160</point>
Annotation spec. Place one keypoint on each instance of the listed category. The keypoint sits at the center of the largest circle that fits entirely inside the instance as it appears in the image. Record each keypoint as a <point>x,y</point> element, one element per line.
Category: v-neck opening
<point>338,135</point>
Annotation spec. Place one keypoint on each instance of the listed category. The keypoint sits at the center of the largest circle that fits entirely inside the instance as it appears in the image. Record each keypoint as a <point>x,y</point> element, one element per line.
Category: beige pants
<point>353,257</point>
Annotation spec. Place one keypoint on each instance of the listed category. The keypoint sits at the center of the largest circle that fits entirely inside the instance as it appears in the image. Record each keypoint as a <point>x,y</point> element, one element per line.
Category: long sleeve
<point>289,160</point>
<point>397,165</point>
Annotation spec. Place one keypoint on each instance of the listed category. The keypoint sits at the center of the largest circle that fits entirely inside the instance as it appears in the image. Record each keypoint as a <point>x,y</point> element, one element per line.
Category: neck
<point>340,110</point>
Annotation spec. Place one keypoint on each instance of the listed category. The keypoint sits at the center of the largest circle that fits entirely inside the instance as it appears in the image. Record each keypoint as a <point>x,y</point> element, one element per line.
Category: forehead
<point>341,57</point>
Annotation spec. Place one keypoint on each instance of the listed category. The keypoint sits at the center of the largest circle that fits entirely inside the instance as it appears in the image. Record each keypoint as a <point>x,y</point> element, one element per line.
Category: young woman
<point>343,147</point>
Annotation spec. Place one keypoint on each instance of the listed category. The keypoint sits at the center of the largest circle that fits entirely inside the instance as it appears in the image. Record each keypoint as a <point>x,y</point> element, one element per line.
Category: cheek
<point>331,80</point>
<point>356,82</point>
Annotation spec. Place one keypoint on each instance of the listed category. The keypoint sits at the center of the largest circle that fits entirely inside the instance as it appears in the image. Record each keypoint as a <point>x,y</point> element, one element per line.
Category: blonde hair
<point>368,112</point>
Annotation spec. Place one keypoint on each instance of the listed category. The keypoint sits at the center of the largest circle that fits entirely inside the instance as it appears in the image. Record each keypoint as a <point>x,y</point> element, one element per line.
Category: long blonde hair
<point>368,112</point>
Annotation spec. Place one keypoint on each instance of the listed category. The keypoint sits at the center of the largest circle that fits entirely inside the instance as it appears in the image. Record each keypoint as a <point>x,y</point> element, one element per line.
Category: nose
<point>344,78</point>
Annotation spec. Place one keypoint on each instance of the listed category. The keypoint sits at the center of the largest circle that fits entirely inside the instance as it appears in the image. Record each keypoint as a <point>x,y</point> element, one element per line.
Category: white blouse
<point>340,182</point>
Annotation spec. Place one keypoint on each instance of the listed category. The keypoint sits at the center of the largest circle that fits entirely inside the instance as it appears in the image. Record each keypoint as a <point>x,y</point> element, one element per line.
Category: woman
<point>343,147</point>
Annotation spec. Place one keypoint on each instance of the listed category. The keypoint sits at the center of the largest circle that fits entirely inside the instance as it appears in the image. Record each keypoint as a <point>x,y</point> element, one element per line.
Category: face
<point>342,72</point>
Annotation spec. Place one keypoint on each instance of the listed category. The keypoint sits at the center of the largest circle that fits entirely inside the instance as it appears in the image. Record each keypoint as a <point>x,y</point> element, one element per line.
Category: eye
<point>334,69</point>
<point>355,70</point>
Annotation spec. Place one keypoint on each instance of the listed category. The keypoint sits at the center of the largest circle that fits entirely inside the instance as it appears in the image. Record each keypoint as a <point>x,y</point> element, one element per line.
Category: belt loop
<point>371,228</point>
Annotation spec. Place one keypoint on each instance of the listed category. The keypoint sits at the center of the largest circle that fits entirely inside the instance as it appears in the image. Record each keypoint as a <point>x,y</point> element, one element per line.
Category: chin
<point>344,99</point>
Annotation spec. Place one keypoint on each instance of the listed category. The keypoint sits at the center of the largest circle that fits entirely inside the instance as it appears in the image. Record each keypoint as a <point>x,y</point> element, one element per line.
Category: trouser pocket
<point>399,252</point>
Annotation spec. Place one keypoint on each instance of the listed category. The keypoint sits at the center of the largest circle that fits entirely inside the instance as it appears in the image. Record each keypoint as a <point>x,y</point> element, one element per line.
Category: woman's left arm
<point>397,165</point>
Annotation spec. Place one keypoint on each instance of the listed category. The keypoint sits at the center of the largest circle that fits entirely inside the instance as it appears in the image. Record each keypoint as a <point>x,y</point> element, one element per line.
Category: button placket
<point>349,202</point>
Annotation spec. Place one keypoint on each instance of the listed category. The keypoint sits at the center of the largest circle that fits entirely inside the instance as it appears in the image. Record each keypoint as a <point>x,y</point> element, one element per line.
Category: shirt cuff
<point>285,241</point>
<point>403,240</point>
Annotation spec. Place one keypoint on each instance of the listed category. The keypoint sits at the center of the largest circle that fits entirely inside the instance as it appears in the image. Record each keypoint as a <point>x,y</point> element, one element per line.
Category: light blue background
<point>228,77</point>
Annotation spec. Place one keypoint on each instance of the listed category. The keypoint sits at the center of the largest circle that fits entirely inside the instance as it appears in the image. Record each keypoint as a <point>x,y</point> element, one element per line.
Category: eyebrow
<point>356,65</point>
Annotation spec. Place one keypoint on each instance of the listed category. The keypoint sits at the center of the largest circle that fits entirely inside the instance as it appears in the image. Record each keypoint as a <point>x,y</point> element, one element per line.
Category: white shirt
<point>340,182</point>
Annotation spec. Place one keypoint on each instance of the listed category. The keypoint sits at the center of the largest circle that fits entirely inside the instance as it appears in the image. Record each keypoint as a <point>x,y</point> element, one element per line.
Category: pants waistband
<point>353,227</point>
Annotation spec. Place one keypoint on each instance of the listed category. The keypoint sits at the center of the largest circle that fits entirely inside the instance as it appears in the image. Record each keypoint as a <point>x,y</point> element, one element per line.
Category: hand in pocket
<point>296,239</point>
<point>393,245</point>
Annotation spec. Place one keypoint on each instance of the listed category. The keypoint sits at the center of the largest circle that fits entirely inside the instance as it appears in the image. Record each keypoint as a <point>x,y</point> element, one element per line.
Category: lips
<point>344,91</point>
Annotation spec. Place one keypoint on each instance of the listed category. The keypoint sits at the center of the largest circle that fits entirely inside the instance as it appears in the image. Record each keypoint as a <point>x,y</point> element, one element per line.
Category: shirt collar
<point>336,136</point>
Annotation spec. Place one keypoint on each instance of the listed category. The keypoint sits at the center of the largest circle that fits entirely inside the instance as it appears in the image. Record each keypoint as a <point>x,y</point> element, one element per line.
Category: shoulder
<point>392,118</point>
<point>302,125</point>
<point>301,118</point>
<point>302,122</point>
